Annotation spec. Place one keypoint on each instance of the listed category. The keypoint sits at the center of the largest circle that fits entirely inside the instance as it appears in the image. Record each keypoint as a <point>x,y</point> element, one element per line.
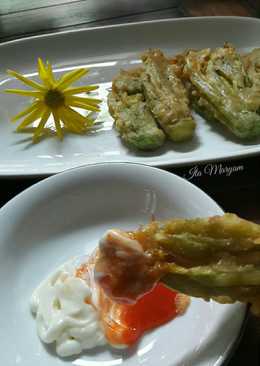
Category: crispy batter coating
<point>212,258</point>
<point>133,119</point>
<point>220,88</point>
<point>218,257</point>
<point>251,62</point>
<point>167,97</point>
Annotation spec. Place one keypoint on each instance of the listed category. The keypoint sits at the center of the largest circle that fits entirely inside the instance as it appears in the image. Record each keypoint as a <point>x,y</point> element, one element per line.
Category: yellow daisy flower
<point>55,97</point>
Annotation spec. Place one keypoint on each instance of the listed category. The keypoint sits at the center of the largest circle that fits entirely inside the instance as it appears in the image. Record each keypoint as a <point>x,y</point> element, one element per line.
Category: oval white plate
<point>97,48</point>
<point>64,216</point>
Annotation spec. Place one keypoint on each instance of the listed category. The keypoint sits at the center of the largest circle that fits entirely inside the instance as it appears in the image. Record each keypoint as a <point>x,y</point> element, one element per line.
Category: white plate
<point>64,216</point>
<point>105,51</point>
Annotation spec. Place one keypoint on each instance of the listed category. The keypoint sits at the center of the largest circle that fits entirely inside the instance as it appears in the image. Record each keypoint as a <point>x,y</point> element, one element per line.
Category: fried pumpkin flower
<point>212,258</point>
<point>167,97</point>
<point>220,89</point>
<point>133,119</point>
<point>55,97</point>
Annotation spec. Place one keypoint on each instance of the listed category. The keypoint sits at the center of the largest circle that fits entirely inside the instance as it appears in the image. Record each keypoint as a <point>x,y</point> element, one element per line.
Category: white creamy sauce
<point>59,306</point>
<point>62,315</point>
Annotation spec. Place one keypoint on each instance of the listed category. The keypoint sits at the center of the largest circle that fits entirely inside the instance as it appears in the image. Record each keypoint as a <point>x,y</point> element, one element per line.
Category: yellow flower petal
<point>50,74</point>
<point>70,78</point>
<point>84,120</point>
<point>43,73</point>
<point>40,127</point>
<point>33,116</point>
<point>80,89</point>
<point>72,122</point>
<point>25,93</point>
<point>69,126</point>
<point>84,123</point>
<point>26,80</point>
<point>55,97</point>
<point>26,111</point>
<point>85,106</point>
<point>57,124</point>
<point>90,101</point>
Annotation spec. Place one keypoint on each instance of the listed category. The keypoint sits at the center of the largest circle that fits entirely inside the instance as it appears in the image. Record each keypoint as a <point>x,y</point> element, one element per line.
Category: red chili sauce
<point>153,309</point>
<point>125,323</point>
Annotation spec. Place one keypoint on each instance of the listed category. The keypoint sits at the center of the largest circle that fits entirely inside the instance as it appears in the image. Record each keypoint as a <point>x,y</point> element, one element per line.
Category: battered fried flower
<point>166,96</point>
<point>216,257</point>
<point>252,66</point>
<point>133,119</point>
<point>218,85</point>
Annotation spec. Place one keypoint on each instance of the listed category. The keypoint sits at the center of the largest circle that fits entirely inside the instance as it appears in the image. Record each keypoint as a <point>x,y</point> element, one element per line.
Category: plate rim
<point>34,172</point>
<point>86,166</point>
<point>130,24</point>
<point>46,184</point>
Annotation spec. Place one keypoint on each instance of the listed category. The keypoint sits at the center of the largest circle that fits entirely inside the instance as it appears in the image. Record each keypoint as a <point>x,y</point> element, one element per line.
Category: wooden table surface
<point>19,18</point>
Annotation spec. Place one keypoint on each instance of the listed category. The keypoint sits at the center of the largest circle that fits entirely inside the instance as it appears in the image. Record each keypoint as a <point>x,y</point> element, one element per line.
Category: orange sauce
<point>124,324</point>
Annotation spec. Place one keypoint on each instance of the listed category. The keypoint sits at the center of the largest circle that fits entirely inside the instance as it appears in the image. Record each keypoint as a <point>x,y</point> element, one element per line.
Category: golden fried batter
<point>166,96</point>
<point>216,257</point>
<point>133,119</point>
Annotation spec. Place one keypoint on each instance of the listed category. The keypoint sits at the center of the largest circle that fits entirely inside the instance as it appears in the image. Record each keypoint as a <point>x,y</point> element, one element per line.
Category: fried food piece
<point>215,258</point>
<point>167,97</point>
<point>251,62</point>
<point>218,85</point>
<point>128,82</point>
<point>212,258</point>
<point>133,119</point>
